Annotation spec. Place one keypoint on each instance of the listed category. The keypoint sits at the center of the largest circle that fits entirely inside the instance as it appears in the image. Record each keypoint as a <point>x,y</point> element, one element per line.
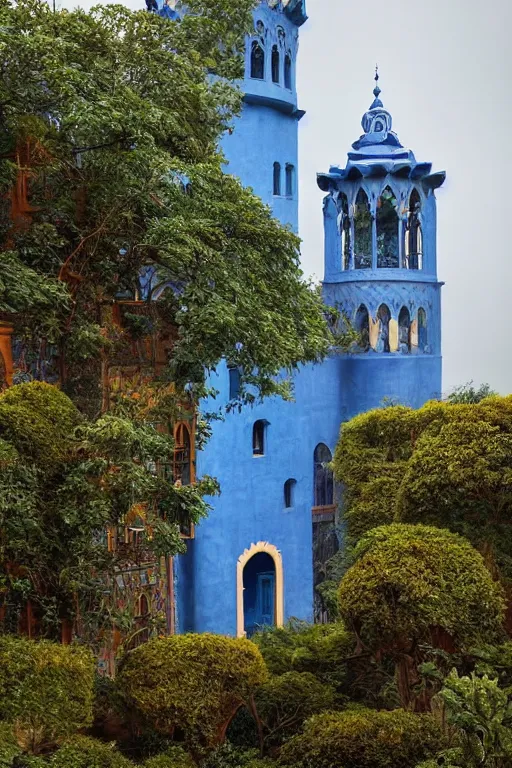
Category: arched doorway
<point>259,589</point>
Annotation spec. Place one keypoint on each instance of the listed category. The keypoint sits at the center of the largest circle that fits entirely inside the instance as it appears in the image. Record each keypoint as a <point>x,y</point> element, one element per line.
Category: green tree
<point>122,123</point>
<point>414,586</point>
<point>194,683</point>
<point>468,393</point>
<point>64,479</point>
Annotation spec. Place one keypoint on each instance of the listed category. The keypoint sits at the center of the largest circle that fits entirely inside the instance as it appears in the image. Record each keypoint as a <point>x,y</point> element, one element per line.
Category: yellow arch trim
<point>275,554</point>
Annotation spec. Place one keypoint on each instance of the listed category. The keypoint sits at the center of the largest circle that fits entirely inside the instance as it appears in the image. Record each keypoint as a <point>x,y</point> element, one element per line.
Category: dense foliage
<point>444,464</point>
<point>363,738</point>
<point>121,125</point>
<point>64,480</point>
<point>194,683</point>
<point>46,690</point>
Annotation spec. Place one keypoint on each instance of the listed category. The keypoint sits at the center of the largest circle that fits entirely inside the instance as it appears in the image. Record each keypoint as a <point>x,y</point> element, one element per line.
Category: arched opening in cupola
<point>363,225</point>
<point>413,241</point>
<point>362,326</point>
<point>384,317</point>
<point>422,330</point>
<point>288,71</point>
<point>387,230</point>
<point>275,64</point>
<point>404,330</point>
<point>345,231</point>
<point>257,61</point>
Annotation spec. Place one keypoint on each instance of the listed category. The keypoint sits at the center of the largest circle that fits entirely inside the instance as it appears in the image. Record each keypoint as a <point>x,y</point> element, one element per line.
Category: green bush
<point>410,580</point>
<point>38,420</point>
<point>9,747</point>
<point>363,738</point>
<point>192,682</point>
<point>174,757</point>
<point>46,689</point>
<point>301,647</point>
<point>287,700</point>
<point>83,752</point>
<point>228,756</point>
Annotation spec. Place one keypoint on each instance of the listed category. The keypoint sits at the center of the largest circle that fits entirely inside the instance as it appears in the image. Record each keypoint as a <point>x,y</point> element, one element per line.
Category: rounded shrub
<point>363,738</point>
<point>409,581</point>
<point>194,683</point>
<point>84,752</point>
<point>175,757</point>
<point>38,420</point>
<point>46,690</point>
<point>9,747</point>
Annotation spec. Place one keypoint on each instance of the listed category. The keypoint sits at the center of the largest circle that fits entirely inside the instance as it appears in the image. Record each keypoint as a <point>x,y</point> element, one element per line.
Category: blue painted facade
<point>380,251</point>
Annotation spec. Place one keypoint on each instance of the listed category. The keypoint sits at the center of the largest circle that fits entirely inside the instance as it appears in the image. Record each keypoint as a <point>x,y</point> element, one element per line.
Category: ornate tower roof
<point>294,9</point>
<point>378,152</point>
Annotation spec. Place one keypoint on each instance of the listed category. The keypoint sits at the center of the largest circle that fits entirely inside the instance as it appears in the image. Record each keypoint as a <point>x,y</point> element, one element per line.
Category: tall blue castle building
<point>251,561</point>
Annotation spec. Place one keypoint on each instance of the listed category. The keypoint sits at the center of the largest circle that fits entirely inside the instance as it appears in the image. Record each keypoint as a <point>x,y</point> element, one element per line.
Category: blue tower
<point>260,554</point>
<point>381,267</point>
<point>262,149</point>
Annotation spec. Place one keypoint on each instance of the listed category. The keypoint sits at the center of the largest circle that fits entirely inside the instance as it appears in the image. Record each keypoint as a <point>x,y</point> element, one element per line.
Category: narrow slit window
<point>275,64</point>
<point>289,180</point>
<point>258,438</point>
<point>234,382</point>
<point>277,179</point>
<point>288,71</point>
<point>289,493</point>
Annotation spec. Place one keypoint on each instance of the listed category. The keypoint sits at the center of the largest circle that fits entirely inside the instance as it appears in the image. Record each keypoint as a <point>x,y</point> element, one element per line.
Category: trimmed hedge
<point>191,682</point>
<point>410,579</point>
<point>84,752</point>
<point>364,738</point>
<point>46,689</point>
<point>175,757</point>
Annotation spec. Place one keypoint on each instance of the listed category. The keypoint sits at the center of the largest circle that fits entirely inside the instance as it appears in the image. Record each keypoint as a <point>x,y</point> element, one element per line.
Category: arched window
<point>413,242</point>
<point>422,330</point>
<point>289,180</point>
<point>362,326</point>
<point>384,316</point>
<point>143,606</point>
<point>258,438</point>
<point>288,71</point>
<point>289,493</point>
<point>387,230</point>
<point>277,179</point>
<point>275,64</point>
<point>345,231</point>
<point>182,465</point>
<point>404,330</point>
<point>363,225</point>
<point>323,478</point>
<point>257,61</point>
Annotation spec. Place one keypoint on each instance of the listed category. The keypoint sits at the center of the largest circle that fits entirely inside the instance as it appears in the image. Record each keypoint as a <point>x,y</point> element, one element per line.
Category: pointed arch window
<point>363,225</point>
<point>384,317</point>
<point>257,61</point>
<point>323,477</point>
<point>404,330</point>
<point>276,63</point>
<point>362,326</point>
<point>288,71</point>
<point>387,230</point>
<point>422,330</point>
<point>182,465</point>
<point>277,179</point>
<point>413,244</point>
<point>345,231</point>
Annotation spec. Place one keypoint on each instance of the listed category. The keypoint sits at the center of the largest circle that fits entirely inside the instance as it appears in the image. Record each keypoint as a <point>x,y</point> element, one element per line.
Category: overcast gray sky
<point>445,70</point>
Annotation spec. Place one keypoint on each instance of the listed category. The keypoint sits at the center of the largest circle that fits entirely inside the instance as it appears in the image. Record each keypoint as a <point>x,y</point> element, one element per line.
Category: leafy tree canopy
<point>118,116</point>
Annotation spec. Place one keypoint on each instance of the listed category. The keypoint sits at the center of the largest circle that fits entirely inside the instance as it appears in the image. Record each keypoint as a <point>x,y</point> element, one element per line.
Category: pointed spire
<point>376,91</point>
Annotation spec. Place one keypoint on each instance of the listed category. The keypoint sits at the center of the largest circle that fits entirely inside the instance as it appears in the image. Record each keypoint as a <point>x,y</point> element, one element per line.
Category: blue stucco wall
<point>251,506</point>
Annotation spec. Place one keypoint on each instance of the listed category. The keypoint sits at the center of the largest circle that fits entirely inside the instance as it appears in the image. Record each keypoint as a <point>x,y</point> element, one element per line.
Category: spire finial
<point>376,90</point>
